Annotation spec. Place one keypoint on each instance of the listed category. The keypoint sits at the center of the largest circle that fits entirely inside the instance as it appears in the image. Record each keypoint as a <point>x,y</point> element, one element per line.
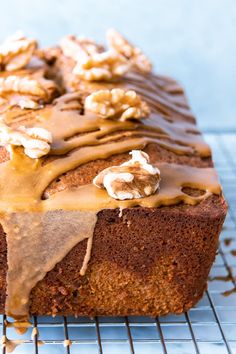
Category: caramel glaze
<point>10,345</point>
<point>34,223</point>
<point>20,326</point>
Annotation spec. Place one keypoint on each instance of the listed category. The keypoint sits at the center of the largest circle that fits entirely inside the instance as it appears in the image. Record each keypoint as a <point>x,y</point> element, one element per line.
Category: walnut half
<point>101,66</point>
<point>136,178</point>
<point>36,141</point>
<point>134,54</point>
<point>117,104</point>
<point>16,52</point>
<point>26,92</point>
<point>79,48</point>
<point>92,63</point>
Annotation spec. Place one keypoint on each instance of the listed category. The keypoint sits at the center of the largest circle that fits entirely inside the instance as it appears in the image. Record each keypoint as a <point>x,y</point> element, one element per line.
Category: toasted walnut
<point>92,62</point>
<point>22,85</point>
<point>16,52</point>
<point>117,104</point>
<point>101,66</point>
<point>36,141</point>
<point>133,179</point>
<point>120,44</point>
<point>79,48</point>
<point>25,91</point>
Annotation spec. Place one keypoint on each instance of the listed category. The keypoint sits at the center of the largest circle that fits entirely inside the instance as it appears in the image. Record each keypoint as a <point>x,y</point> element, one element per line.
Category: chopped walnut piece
<point>101,66</point>
<point>136,178</point>
<point>16,52</point>
<point>36,141</point>
<point>117,103</point>
<point>24,103</point>
<point>121,45</point>
<point>26,92</point>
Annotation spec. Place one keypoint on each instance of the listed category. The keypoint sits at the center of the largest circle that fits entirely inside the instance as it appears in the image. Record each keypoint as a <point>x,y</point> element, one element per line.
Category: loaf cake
<point>109,201</point>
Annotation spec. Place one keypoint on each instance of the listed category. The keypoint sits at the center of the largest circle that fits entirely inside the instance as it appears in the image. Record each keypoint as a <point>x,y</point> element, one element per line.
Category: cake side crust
<point>161,270</point>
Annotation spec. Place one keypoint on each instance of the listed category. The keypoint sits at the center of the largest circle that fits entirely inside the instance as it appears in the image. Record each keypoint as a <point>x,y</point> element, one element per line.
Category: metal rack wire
<point>210,327</point>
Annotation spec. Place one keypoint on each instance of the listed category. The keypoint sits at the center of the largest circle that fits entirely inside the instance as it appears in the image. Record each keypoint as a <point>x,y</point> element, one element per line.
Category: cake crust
<point>157,272</point>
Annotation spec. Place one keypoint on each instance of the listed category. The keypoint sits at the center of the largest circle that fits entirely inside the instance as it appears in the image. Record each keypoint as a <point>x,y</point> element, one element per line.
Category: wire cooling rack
<point>208,328</point>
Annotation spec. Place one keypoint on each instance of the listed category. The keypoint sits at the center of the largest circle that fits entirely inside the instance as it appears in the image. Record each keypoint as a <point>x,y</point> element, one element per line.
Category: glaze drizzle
<point>31,221</point>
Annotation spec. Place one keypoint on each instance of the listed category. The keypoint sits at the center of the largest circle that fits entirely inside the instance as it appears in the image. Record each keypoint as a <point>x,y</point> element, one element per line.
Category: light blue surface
<point>191,40</point>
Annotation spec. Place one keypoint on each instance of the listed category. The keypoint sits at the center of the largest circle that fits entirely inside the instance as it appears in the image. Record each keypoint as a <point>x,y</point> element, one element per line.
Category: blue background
<point>193,41</point>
